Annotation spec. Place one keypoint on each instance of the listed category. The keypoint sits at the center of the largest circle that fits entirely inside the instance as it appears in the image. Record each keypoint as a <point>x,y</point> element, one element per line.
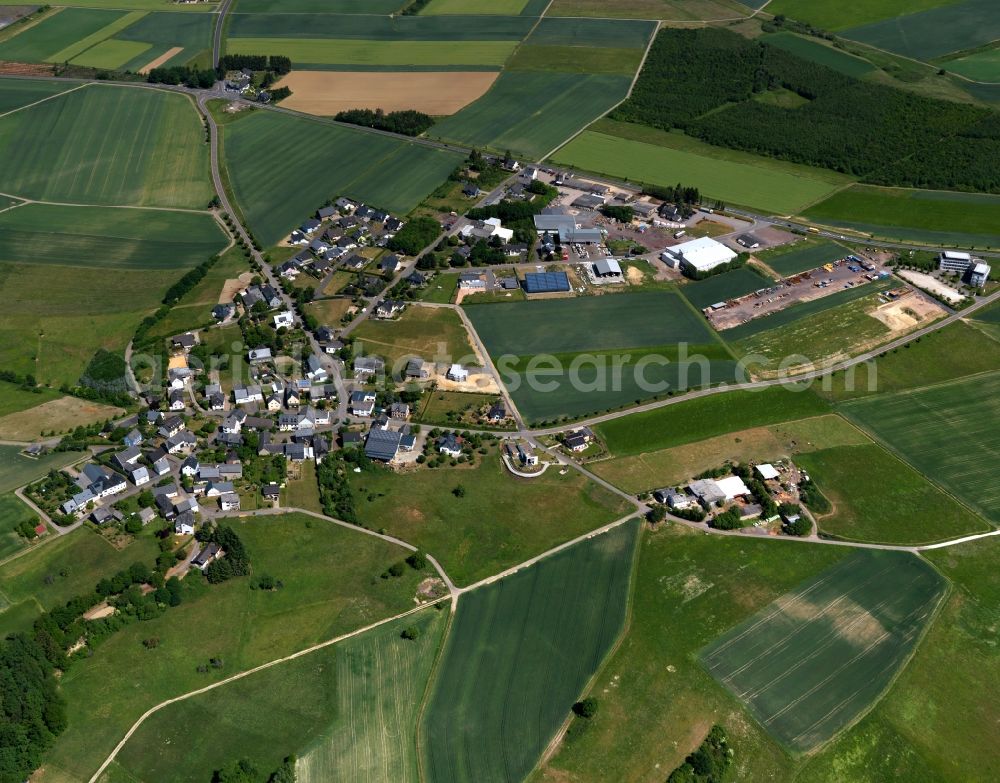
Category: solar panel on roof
<point>546,282</point>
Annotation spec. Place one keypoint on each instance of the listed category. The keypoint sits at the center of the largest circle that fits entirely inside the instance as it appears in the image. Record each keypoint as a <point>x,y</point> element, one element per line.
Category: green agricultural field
<point>15,93</point>
<point>501,7</point>
<point>657,703</point>
<point>309,6</point>
<point>70,53</point>
<point>349,51</point>
<point>728,285</point>
<point>933,216</point>
<point>12,514</point>
<point>802,256</point>
<point>694,420</point>
<point>757,184</point>
<point>611,33</point>
<point>14,398</point>
<point>575,59</point>
<point>850,13</point>
<point>939,430</point>
<point>55,33</point>
<point>877,498</point>
<point>933,723</point>
<point>519,654</point>
<point>982,66</point>
<point>655,339</point>
<point>143,5</point>
<point>17,470</point>
<point>926,34</point>
<point>812,49</point>
<point>64,567</point>
<point>111,54</point>
<point>486,530</point>
<point>817,338</point>
<point>855,625</point>
<point>427,332</point>
<point>677,10</point>
<point>272,160</point>
<point>384,28</point>
<point>677,465</point>
<point>321,598</point>
<point>108,238</point>
<point>165,30</point>
<point>955,351</point>
<point>107,145</point>
<point>533,112</point>
<point>803,310</point>
<point>333,709</point>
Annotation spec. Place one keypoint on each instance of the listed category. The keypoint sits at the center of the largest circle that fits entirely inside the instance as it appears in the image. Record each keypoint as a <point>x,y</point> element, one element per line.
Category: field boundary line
<point>43,100</point>
<point>247,673</point>
<point>429,688</point>
<point>552,748</point>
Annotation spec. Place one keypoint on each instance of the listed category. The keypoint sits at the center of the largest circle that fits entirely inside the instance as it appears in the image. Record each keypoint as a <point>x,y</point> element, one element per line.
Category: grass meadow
<point>981,66</point>
<point>657,702</point>
<point>107,145</point>
<point>811,49</point>
<point>330,586</point>
<point>957,350</point>
<point>487,529</point>
<point>812,661</point>
<point>519,654</point>
<point>718,414</point>
<point>659,158</point>
<point>533,112</point>
<point>728,285</point>
<point>878,498</point>
<point>941,431</point>
<point>16,470</point>
<point>14,399</point>
<point>934,216</point>
<point>427,332</point>
<point>802,256</point>
<point>348,712</point>
<point>13,513</point>
<point>677,465</point>
<point>273,162</point>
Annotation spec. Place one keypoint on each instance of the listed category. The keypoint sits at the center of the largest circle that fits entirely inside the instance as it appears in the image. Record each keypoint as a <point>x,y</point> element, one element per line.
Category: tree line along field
<point>487,529</point>
<point>928,33</point>
<point>659,342</point>
<point>532,112</point>
<point>810,663</point>
<point>321,598</point>
<point>518,655</point>
<point>348,712</point>
<point>272,162</point>
<point>717,83</point>
<point>107,145</point>
<point>939,430</point>
<point>940,217</point>
<point>658,158</point>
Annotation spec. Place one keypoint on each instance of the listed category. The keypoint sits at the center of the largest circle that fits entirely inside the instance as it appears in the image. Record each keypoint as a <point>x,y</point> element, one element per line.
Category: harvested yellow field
<point>325,93</point>
<point>59,415</point>
<point>161,59</point>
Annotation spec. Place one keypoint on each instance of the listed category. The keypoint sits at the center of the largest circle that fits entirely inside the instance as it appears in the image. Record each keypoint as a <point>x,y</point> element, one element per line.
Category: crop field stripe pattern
<point>811,662</point>
<point>518,654</point>
<point>939,430</point>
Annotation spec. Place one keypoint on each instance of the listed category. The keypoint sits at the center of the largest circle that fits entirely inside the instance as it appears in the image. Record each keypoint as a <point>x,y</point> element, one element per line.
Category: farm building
<point>607,268</point>
<point>748,241</point>
<point>472,280</point>
<point>589,201</point>
<point>766,471</point>
<point>567,229</point>
<point>545,282</point>
<point>701,255</point>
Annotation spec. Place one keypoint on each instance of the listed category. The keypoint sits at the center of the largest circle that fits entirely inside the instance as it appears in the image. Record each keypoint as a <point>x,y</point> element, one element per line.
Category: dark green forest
<point>734,92</point>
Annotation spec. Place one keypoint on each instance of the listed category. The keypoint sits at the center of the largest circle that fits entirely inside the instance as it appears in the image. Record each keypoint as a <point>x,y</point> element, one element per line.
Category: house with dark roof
<point>382,445</point>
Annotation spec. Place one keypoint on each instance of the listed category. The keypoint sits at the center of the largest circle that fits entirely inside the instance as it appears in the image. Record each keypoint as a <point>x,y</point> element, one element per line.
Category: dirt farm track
<point>327,92</point>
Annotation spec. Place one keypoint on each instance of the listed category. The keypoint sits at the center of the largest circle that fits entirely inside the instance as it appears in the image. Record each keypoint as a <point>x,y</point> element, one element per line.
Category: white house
<point>458,373</point>
<point>285,319</point>
<point>315,370</point>
<point>230,501</point>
